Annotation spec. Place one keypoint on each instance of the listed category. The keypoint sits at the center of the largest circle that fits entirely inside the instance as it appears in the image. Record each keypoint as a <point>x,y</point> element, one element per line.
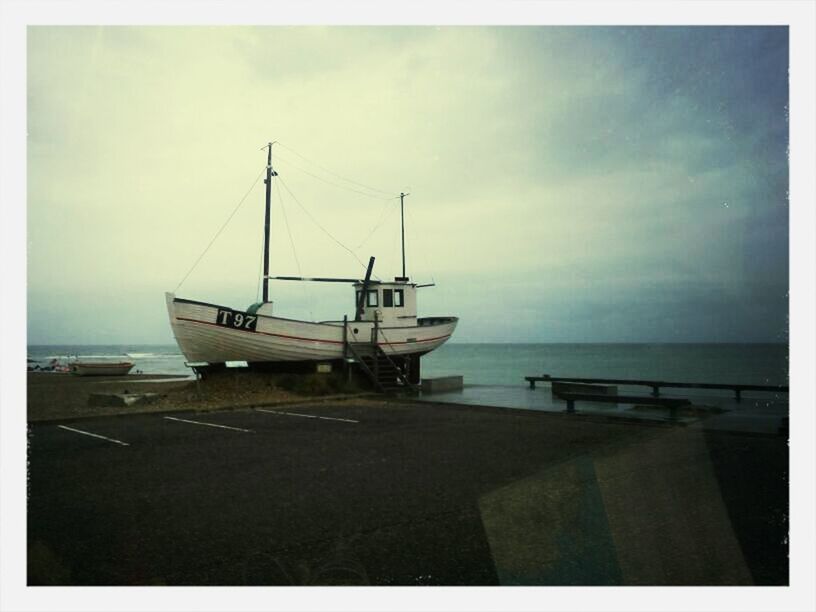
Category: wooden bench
<point>667,402</point>
<point>657,384</point>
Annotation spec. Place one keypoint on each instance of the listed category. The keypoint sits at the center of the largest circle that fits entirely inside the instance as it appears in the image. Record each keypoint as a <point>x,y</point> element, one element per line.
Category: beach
<point>55,396</point>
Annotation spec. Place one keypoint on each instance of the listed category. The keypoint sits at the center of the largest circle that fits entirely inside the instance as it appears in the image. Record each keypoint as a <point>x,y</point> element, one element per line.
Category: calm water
<point>494,373</point>
<point>508,364</point>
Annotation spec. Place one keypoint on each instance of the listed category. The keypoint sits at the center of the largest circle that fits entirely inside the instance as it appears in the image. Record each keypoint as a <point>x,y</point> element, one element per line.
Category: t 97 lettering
<point>236,319</point>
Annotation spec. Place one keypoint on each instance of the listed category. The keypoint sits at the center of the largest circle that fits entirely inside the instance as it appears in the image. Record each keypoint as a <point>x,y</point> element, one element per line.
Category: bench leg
<point>655,391</point>
<point>738,393</point>
<point>532,384</point>
<point>570,405</point>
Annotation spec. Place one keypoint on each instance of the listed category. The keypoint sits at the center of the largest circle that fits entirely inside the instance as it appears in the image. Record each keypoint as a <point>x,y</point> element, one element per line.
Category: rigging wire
<point>422,253</point>
<point>288,231</point>
<point>325,231</point>
<point>380,222</point>
<point>260,273</point>
<point>304,289</point>
<point>389,193</point>
<point>221,229</point>
<point>320,178</point>
<point>384,214</point>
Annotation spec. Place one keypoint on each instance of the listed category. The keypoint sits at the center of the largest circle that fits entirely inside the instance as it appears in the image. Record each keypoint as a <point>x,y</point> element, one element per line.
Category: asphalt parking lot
<point>346,493</point>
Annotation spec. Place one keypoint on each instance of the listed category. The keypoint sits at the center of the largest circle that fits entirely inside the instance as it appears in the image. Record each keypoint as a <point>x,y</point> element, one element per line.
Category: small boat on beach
<point>52,365</point>
<point>100,368</point>
<point>384,334</point>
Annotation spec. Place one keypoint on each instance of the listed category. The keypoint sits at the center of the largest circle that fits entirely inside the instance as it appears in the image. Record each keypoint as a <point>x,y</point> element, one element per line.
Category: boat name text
<point>236,319</point>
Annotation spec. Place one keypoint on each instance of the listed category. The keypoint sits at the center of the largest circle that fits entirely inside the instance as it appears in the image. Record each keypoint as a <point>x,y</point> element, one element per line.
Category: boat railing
<point>426,321</point>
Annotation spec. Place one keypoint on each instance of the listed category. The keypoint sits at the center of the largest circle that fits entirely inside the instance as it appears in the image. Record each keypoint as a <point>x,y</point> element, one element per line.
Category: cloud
<point>588,179</point>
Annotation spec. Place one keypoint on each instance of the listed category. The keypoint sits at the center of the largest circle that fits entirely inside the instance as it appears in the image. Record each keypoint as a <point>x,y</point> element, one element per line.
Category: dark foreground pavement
<point>401,494</point>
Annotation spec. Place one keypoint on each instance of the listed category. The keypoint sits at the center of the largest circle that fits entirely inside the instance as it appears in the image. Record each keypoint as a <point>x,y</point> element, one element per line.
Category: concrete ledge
<point>442,383</point>
<point>572,387</point>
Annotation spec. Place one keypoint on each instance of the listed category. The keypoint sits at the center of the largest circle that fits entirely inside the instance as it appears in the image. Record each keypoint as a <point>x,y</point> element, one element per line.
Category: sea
<point>494,373</point>
<point>508,364</point>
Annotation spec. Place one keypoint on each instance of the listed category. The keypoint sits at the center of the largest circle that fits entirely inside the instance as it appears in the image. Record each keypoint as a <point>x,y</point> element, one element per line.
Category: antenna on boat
<point>402,225</point>
<point>268,180</point>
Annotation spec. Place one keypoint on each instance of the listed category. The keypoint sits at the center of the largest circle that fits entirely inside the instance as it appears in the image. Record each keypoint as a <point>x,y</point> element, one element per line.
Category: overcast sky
<point>573,184</point>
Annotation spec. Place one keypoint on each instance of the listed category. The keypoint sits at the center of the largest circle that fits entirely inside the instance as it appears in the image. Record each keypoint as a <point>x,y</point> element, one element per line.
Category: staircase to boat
<point>387,374</point>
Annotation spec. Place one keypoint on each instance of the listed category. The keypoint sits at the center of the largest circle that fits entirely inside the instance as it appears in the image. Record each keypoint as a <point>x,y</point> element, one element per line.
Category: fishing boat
<point>384,337</point>
<point>100,368</point>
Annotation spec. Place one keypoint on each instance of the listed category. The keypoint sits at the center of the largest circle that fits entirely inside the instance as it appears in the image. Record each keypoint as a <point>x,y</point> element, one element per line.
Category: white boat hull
<point>101,368</point>
<point>209,333</point>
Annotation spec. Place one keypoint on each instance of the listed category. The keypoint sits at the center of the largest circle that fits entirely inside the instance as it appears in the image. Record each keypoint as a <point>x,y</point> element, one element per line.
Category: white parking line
<point>308,416</point>
<point>337,419</point>
<point>93,435</point>
<point>208,424</point>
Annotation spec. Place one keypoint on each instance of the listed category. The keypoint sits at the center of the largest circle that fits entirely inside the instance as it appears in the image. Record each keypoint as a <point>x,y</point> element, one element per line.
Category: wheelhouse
<point>391,303</point>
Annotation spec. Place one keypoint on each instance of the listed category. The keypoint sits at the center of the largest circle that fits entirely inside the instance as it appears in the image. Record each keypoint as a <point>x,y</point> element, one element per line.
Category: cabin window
<point>399,302</point>
<point>372,298</point>
<point>388,297</point>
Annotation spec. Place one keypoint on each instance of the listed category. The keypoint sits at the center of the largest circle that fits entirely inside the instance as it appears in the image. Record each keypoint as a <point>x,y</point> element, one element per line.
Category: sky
<point>567,184</point>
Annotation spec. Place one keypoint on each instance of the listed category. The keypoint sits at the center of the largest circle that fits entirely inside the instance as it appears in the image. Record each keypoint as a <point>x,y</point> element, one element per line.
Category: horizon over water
<point>508,363</point>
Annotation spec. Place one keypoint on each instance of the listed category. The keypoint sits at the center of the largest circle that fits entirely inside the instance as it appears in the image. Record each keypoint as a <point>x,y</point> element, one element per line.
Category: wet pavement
<point>392,493</point>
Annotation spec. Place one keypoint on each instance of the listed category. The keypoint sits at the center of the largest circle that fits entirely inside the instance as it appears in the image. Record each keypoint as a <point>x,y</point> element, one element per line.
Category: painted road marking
<point>337,419</point>
<point>88,433</point>
<point>208,424</point>
<point>308,416</point>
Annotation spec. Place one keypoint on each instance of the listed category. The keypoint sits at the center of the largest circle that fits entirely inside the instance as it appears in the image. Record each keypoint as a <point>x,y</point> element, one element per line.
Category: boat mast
<point>402,224</point>
<point>269,174</point>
